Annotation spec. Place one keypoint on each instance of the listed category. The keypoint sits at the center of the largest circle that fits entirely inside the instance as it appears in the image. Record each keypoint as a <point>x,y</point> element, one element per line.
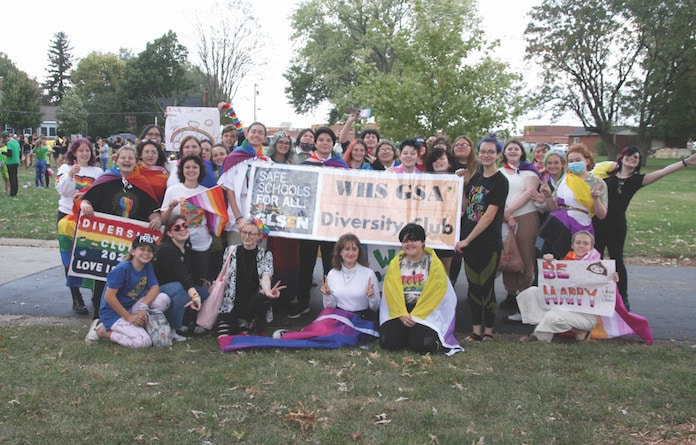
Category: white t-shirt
<point>348,287</point>
<point>200,236</point>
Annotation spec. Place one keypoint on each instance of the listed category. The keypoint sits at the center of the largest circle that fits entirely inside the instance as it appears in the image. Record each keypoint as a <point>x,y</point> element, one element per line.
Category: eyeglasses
<point>247,233</point>
<point>180,227</point>
<point>282,143</point>
<point>462,145</point>
<point>153,135</point>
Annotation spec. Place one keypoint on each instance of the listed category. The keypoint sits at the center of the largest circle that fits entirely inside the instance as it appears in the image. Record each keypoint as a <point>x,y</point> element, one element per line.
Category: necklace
<point>348,274</point>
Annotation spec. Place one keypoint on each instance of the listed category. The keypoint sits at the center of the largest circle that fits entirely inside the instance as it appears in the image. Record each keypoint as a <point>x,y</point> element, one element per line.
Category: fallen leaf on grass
<point>401,399</point>
<point>305,418</point>
<point>152,383</point>
<point>381,419</point>
<point>357,436</point>
<point>197,414</point>
<point>13,402</point>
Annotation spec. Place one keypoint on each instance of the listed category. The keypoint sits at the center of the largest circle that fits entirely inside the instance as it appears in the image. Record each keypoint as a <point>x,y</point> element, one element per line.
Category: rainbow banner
<point>213,202</point>
<point>101,242</point>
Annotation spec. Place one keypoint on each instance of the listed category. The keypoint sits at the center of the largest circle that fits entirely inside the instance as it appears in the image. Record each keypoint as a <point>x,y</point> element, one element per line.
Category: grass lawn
<point>55,389</point>
<point>660,218</point>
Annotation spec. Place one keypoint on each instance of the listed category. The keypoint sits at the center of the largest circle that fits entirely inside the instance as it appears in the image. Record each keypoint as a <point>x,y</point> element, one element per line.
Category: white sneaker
<point>177,337</point>
<point>279,333</point>
<point>514,318</point>
<point>92,337</point>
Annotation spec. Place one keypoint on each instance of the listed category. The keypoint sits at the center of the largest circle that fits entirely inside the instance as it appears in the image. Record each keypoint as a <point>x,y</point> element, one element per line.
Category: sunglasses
<point>180,227</point>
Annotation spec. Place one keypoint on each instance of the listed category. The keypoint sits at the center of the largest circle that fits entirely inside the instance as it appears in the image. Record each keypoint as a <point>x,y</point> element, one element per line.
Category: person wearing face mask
<point>579,197</point>
<point>305,144</point>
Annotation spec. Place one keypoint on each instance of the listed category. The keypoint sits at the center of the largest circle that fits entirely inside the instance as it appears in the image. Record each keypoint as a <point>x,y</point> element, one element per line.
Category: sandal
<point>473,337</point>
<point>528,338</point>
<point>487,337</point>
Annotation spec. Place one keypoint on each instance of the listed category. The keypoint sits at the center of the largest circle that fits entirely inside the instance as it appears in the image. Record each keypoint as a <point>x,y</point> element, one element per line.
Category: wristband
<point>684,162</point>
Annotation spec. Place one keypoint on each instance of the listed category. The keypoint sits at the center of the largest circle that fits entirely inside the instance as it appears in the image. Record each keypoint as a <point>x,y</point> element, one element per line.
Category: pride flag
<point>213,202</point>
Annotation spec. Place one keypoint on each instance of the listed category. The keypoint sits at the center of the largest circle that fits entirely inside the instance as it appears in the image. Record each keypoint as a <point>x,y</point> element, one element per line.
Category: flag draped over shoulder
<point>213,202</point>
<point>436,306</point>
<point>333,328</point>
<point>240,154</point>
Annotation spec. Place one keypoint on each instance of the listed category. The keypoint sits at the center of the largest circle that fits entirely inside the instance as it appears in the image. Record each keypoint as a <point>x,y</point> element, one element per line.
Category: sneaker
<point>92,337</point>
<point>279,333</point>
<point>514,318</point>
<point>298,311</point>
<point>176,337</point>
<point>199,330</point>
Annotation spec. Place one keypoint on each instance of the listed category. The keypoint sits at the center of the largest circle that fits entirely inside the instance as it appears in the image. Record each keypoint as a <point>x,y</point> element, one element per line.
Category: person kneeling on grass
<point>555,321</point>
<point>131,288</point>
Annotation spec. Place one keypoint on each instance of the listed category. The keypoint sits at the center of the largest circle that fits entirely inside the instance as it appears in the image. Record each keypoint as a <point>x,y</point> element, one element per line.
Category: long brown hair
<point>344,240</point>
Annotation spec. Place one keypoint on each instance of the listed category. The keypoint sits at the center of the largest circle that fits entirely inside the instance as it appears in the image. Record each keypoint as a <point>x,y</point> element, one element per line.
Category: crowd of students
<point>542,202</point>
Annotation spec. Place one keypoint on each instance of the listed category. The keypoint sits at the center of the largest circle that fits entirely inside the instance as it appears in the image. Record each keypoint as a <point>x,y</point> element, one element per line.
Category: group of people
<point>542,203</point>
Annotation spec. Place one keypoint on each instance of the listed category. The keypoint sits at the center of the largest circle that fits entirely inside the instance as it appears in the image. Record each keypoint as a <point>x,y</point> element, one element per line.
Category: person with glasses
<point>173,265</point>
<point>463,150</point>
<point>623,180</point>
<point>191,171</point>
<point>418,309</point>
<point>481,239</point>
<point>246,304</point>
<point>280,150</point>
<point>152,132</point>
<point>385,156</point>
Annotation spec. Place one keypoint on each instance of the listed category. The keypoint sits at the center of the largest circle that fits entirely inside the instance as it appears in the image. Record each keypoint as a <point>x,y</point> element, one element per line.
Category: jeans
<point>40,176</point>
<point>179,299</point>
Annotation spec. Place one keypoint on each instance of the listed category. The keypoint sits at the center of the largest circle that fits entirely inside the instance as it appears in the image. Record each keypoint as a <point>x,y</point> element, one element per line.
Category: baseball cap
<point>4,133</point>
<point>144,240</point>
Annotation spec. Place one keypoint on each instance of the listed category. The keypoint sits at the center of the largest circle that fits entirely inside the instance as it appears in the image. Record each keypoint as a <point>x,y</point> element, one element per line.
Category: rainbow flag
<point>213,202</point>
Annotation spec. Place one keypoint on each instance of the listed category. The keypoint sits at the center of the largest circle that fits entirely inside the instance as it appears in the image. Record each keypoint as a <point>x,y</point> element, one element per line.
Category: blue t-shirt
<point>131,285</point>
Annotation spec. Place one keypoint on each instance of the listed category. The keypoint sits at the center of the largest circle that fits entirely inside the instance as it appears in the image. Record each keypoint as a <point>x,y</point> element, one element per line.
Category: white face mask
<point>577,167</point>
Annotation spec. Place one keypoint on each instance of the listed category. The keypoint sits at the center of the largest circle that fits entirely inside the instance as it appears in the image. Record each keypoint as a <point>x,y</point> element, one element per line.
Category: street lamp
<point>256,93</point>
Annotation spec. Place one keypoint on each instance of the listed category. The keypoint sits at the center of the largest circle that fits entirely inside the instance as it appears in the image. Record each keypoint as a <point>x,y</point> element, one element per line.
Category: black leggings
<point>481,268</point>
<point>613,237</point>
<point>308,258</point>
<point>393,335</point>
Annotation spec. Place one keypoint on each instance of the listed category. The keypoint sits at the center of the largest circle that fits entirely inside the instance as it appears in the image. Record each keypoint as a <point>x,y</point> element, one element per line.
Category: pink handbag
<point>207,315</point>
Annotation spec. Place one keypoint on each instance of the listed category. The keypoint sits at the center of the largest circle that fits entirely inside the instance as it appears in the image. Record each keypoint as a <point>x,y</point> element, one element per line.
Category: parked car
<point>563,147</point>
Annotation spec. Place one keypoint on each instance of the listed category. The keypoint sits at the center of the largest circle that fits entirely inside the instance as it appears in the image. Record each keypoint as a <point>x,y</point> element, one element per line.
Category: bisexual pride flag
<point>213,202</point>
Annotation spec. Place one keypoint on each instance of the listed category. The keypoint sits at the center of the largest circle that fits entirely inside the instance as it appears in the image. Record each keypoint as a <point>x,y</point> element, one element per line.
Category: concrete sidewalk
<point>32,282</point>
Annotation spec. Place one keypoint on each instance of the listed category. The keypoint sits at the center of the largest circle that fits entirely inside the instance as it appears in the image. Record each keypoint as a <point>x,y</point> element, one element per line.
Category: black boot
<point>78,304</point>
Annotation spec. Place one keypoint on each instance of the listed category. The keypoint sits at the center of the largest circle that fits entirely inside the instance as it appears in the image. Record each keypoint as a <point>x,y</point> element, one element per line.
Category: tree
<point>589,54</point>
<point>21,101</point>
<point>72,115</point>
<point>99,84</point>
<point>417,79</point>
<point>160,71</point>
<point>660,98</point>
<point>229,49</point>
<point>59,65</point>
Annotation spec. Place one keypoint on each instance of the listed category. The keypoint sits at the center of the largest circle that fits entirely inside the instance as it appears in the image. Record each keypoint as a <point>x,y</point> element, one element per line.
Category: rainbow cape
<point>213,202</point>
<point>240,154</point>
<point>333,328</point>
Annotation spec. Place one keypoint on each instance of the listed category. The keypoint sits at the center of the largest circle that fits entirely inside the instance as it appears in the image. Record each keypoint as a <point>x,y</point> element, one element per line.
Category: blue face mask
<point>577,167</point>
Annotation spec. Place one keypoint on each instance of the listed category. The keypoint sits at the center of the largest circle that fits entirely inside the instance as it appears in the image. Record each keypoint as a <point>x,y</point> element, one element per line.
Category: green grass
<point>660,218</point>
<point>55,389</point>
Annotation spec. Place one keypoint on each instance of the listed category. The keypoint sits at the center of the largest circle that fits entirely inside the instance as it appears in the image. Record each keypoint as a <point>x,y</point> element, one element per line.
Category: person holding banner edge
<point>122,191</point>
<point>324,139</point>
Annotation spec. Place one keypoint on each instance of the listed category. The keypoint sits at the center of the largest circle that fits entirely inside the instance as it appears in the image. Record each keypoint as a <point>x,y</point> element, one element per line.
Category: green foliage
<point>417,79</point>
<point>588,54</point>
<point>72,114</point>
<point>160,71</point>
<point>59,65</point>
<point>99,82</point>
<point>58,390</point>
<point>21,100</point>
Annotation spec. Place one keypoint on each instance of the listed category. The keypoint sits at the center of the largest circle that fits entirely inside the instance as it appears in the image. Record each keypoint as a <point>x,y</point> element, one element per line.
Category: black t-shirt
<point>620,192</point>
<point>114,198</point>
<point>482,192</point>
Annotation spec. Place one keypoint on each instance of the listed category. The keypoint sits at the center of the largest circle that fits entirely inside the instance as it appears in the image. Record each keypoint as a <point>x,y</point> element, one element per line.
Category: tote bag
<point>208,314</point>
<point>510,259</point>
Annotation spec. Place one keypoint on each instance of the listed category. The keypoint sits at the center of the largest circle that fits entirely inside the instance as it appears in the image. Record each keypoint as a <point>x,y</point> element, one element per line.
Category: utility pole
<point>256,93</point>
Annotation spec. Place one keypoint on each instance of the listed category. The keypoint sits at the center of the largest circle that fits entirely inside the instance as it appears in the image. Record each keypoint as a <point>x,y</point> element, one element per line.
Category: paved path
<point>32,283</point>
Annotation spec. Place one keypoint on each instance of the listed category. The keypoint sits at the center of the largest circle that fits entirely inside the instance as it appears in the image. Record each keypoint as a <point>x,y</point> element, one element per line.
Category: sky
<point>109,26</point>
